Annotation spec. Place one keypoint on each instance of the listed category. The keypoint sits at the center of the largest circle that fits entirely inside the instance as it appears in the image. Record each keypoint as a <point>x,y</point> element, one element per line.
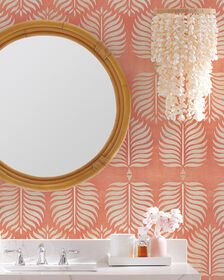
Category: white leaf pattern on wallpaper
<point>98,233</point>
<point>220,25</point>
<point>183,144</point>
<point>145,101</point>
<point>21,7</point>
<point>182,3</point>
<point>141,35</point>
<point>220,4</point>
<point>136,150</point>
<point>218,144</point>
<point>128,6</point>
<point>6,234</point>
<point>73,7</point>
<point>206,251</point>
<point>108,27</point>
<point>5,20</point>
<point>125,205</point>
<point>218,204</point>
<point>75,209</point>
<point>189,197</point>
<point>21,210</point>
<point>48,233</point>
<point>215,101</point>
<point>50,12</point>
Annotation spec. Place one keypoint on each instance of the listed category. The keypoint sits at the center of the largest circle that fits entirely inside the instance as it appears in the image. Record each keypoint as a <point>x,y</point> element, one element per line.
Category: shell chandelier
<point>184,44</point>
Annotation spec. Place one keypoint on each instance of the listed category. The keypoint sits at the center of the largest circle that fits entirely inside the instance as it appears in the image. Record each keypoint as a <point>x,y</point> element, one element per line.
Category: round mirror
<point>58,106</point>
<point>64,111</point>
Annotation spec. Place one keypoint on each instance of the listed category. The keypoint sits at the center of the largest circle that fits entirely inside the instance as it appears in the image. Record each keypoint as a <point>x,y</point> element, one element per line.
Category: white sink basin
<point>50,267</point>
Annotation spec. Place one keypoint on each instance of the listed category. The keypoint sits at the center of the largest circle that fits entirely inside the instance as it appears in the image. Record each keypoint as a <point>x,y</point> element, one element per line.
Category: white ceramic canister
<point>122,245</point>
<point>158,246</point>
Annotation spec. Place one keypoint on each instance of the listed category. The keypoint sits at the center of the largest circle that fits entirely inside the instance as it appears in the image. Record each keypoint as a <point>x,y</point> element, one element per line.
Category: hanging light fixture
<point>184,44</point>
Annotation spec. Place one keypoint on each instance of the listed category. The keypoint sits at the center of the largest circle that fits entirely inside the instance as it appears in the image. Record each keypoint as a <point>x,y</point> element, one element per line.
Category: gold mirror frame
<point>118,79</point>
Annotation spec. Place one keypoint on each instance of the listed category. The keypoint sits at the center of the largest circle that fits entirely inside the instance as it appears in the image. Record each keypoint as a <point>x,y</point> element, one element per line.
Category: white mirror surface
<point>58,106</point>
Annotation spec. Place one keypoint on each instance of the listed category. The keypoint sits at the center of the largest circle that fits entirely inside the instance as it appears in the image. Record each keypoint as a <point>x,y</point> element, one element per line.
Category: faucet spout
<point>42,255</point>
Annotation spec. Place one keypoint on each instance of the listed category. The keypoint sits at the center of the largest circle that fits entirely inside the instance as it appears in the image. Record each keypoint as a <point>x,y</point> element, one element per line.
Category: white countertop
<point>177,271</point>
<point>93,251</point>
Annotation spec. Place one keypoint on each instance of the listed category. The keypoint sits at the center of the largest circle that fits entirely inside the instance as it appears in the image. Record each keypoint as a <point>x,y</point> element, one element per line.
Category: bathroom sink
<point>50,267</point>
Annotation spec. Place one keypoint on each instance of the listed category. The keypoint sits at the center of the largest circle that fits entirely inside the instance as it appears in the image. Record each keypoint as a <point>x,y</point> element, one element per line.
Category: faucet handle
<point>63,257</point>
<point>74,251</point>
<point>20,259</point>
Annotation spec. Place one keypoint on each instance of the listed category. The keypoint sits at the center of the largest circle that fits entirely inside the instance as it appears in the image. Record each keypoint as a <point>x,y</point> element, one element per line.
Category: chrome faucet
<point>63,257</point>
<point>20,259</point>
<point>42,255</point>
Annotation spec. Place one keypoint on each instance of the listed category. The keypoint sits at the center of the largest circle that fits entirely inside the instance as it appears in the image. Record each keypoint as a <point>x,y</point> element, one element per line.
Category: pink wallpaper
<point>167,164</point>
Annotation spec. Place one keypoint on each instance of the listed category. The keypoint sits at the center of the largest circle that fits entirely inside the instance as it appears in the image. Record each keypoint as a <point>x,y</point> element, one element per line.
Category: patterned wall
<point>168,164</point>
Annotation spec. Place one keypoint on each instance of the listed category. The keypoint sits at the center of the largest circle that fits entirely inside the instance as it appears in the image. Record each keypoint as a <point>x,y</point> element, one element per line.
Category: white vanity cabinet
<point>92,251</point>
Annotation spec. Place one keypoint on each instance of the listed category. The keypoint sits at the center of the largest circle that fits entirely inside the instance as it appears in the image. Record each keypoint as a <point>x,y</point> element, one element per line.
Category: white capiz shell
<point>183,47</point>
